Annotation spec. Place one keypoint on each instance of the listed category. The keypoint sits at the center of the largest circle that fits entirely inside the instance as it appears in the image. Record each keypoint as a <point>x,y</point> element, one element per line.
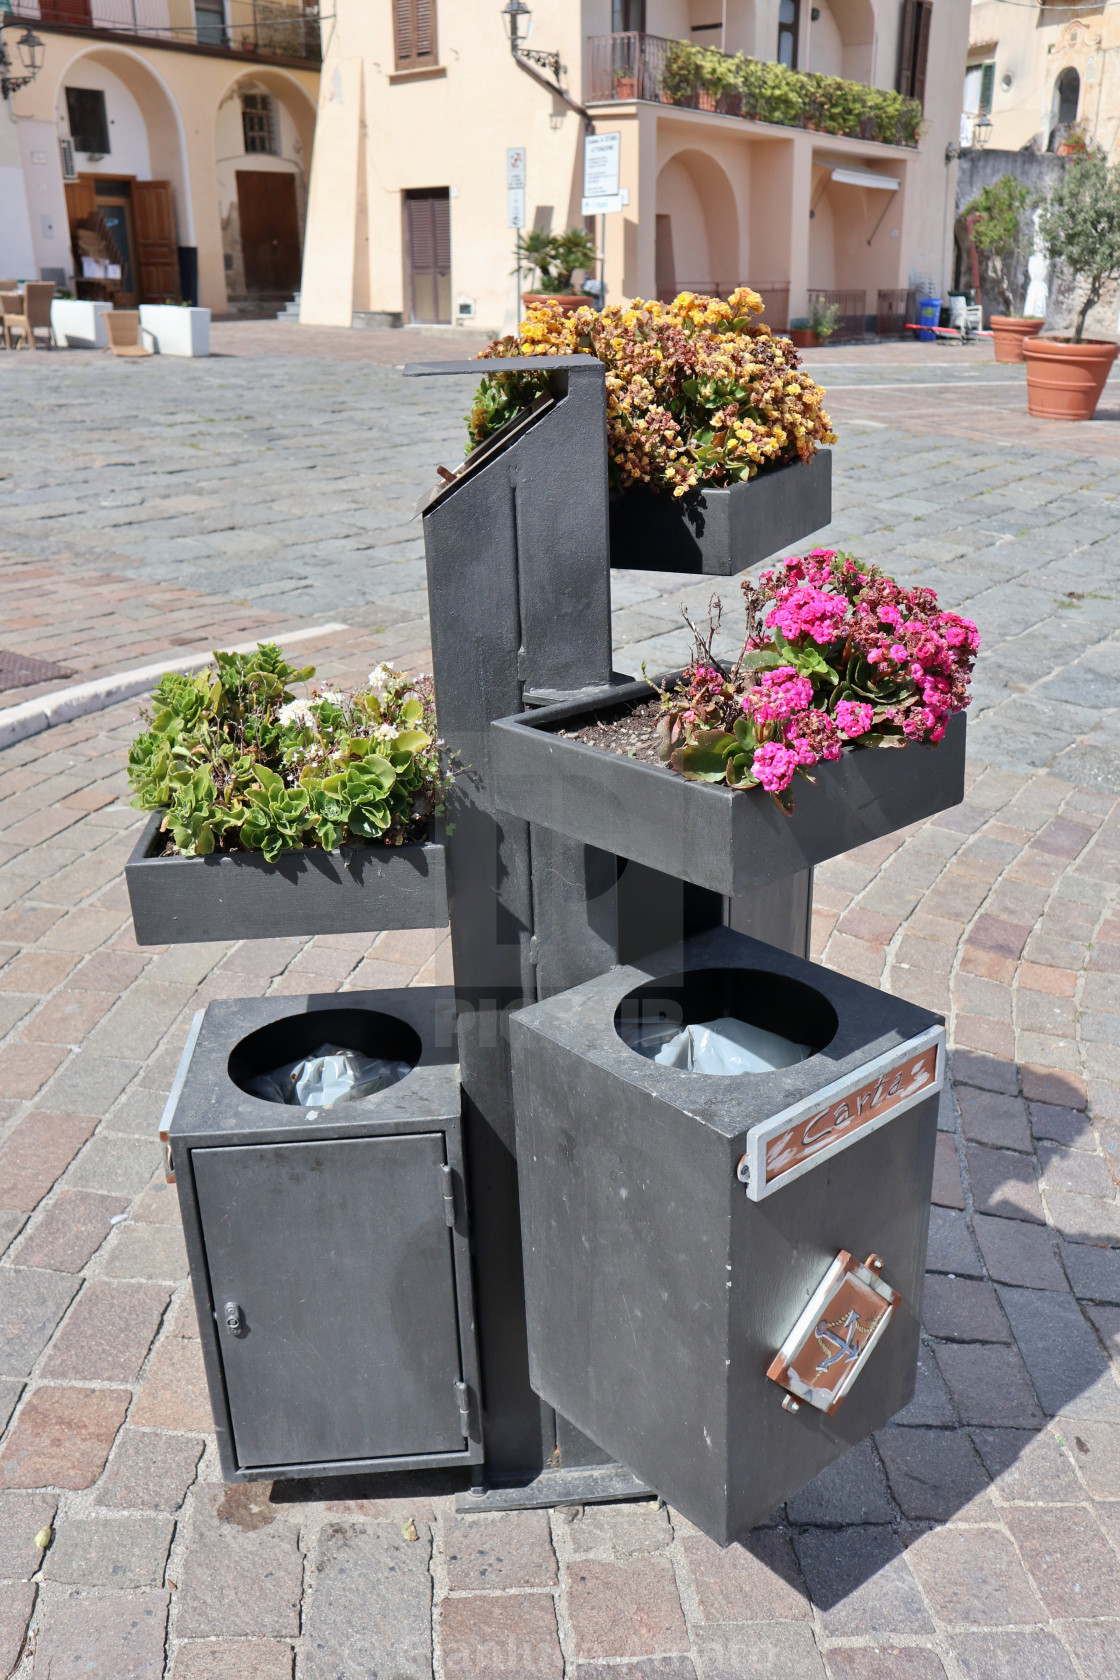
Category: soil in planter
<point>631,734</point>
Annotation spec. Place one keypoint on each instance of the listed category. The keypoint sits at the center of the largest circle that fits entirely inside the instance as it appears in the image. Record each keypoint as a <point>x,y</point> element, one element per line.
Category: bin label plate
<point>795,1141</point>
<point>831,1342</point>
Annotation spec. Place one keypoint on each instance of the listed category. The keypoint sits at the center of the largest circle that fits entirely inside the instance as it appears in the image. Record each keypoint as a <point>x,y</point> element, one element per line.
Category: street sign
<point>606,205</point>
<point>515,186</point>
<point>601,160</point>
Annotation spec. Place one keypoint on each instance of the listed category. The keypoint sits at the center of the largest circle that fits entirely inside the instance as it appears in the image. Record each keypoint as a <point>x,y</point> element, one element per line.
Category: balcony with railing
<point>669,72</point>
<point>262,29</point>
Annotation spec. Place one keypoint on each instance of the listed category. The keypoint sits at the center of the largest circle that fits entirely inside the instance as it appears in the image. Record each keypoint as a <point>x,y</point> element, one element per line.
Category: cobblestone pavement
<point>977,1537</point>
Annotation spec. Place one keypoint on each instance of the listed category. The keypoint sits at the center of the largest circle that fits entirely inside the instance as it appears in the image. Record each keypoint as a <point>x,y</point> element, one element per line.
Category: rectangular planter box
<point>238,895</point>
<point>658,1288</point>
<point>723,531</point>
<point>731,843</point>
<point>328,1247</point>
<point>175,329</point>
<point>77,323</point>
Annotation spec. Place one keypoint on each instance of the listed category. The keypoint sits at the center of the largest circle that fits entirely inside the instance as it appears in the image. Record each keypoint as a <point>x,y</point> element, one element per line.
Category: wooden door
<point>157,255</point>
<point>428,250</point>
<point>81,200</point>
<point>270,248</point>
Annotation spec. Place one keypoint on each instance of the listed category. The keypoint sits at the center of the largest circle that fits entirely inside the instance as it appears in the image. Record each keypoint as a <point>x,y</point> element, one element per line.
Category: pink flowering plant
<point>836,654</point>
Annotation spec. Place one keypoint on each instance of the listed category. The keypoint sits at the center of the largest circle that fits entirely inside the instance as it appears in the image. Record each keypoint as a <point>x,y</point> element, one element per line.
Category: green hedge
<point>748,87</point>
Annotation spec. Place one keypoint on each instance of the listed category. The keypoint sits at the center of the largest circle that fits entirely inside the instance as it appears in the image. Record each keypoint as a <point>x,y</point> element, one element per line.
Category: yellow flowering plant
<point>699,391</point>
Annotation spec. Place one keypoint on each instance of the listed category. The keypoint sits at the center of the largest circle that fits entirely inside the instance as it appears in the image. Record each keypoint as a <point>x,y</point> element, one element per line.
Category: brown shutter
<point>921,49</point>
<point>441,232</point>
<point>425,16</point>
<point>414,33</point>
<point>906,48</point>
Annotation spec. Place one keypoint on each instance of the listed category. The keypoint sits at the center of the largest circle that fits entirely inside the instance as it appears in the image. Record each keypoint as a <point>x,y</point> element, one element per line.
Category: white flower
<point>380,678</point>
<point>386,732</point>
<point>331,694</point>
<point>296,711</point>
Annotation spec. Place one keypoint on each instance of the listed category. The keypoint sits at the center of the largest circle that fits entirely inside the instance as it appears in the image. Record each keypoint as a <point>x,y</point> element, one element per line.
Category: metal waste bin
<point>328,1247</point>
<point>677,1226</point>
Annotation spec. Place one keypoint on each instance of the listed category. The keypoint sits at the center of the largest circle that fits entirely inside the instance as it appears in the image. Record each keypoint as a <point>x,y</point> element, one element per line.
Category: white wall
<point>17,254</point>
<point>46,198</point>
<point>128,152</point>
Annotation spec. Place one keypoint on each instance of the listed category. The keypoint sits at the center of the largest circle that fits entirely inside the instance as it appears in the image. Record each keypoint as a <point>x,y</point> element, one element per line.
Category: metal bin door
<point>337,1258</point>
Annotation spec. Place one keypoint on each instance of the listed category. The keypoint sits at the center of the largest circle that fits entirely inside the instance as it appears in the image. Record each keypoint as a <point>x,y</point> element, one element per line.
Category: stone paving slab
<point>978,1535</point>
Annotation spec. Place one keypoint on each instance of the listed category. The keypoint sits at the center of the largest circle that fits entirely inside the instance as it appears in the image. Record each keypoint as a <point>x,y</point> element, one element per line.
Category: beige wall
<point>739,193</point>
<point>168,116</point>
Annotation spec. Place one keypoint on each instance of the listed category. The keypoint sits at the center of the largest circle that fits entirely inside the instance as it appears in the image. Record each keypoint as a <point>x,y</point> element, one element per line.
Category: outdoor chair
<point>37,296</point>
<point>123,327</point>
<point>12,317</point>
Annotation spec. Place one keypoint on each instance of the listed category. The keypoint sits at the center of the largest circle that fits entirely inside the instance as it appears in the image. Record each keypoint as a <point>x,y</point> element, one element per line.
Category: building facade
<point>162,151</point>
<point>420,103</point>
<point>1044,78</point>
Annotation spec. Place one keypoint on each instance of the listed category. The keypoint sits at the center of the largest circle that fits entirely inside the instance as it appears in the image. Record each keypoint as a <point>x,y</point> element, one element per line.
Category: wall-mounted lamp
<point>31,51</point>
<point>519,23</point>
<point>982,130</point>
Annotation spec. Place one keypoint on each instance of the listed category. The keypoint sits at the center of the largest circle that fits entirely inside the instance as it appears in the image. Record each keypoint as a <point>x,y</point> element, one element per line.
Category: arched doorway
<point>129,204</point>
<point>1063,109</point>
<point>263,138</point>
<point>697,227</point>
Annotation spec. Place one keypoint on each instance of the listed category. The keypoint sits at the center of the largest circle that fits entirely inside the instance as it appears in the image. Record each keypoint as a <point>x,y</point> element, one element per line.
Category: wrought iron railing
<point>672,72</point>
<point>265,28</point>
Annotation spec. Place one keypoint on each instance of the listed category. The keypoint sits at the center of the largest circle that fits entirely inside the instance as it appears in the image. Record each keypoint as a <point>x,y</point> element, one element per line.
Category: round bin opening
<point>383,1040</point>
<point>743,1020</point>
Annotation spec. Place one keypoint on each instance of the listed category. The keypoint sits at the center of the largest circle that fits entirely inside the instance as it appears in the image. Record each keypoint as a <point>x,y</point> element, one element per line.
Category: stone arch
<point>842,40</point>
<point>262,218</point>
<point>698,242</point>
<point>1067,97</point>
<point>163,123</point>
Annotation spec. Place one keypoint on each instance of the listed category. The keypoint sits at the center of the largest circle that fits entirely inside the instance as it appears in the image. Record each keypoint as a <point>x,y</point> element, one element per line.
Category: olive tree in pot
<point>1080,226</point>
<point>997,220</point>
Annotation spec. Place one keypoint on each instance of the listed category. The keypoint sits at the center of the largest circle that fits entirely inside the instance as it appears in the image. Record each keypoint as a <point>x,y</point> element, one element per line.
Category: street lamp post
<point>519,23</point>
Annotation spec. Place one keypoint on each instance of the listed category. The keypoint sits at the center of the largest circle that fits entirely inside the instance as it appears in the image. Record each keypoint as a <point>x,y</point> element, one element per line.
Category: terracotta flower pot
<point>1009,333</point>
<point>1065,380</point>
<point>624,87</point>
<point>803,337</point>
<point>568,301</point>
<point>706,101</point>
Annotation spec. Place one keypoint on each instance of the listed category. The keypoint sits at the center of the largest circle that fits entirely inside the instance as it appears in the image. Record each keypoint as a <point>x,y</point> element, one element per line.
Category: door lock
<point>235,1318</point>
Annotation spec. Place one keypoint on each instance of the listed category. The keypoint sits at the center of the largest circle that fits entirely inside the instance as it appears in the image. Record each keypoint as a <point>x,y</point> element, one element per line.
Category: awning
<point>864,178</point>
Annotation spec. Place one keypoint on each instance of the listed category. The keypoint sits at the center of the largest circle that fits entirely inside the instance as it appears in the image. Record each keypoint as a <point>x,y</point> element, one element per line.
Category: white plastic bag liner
<point>332,1075</point>
<point>726,1046</point>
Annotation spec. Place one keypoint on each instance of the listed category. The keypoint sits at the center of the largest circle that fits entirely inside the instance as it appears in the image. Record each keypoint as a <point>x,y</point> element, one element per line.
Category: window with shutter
<point>913,55</point>
<point>414,32</point>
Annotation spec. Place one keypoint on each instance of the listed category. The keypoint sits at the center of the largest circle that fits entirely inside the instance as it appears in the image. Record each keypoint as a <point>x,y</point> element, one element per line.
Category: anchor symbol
<point>841,1337</point>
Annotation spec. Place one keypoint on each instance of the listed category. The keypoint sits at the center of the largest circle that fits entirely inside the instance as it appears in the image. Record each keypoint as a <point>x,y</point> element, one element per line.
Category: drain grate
<point>19,670</point>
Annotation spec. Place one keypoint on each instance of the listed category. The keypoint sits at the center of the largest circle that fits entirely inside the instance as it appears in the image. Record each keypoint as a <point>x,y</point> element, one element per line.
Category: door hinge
<point>447,1185</point>
<point>463,1398</point>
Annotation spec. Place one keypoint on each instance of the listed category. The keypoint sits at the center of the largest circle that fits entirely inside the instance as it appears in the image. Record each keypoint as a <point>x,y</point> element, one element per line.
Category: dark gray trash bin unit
<point>676,1224</point>
<point>328,1247</point>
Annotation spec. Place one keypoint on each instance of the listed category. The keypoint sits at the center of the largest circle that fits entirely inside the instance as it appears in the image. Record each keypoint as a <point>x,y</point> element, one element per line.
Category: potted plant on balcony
<point>555,257</point>
<point>274,814</point>
<point>695,776</point>
<point>1080,226</point>
<point>714,433</point>
<point>998,219</point>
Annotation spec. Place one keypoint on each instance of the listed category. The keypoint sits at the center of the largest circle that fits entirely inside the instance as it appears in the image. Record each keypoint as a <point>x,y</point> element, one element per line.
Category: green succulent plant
<point>240,764</point>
